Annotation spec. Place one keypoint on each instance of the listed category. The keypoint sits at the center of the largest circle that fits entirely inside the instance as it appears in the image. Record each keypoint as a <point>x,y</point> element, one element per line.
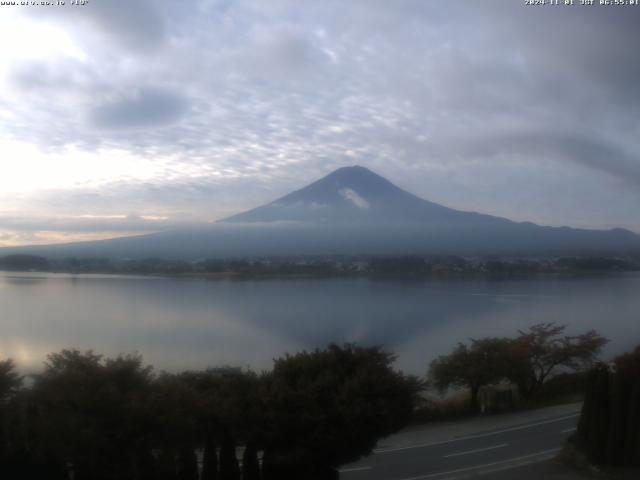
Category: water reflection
<point>178,323</point>
<point>24,279</point>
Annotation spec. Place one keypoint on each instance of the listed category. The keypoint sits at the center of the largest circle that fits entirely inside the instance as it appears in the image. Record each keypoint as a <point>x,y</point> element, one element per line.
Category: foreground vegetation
<point>88,417</point>
<point>609,427</point>
<point>543,361</point>
<point>527,361</point>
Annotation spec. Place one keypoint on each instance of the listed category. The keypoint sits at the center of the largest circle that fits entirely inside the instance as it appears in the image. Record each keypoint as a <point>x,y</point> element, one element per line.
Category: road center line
<point>543,454</point>
<point>477,450</point>
<point>480,435</point>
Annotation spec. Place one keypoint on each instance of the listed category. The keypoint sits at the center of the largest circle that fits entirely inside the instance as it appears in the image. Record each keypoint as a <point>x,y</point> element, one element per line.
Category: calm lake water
<point>181,323</point>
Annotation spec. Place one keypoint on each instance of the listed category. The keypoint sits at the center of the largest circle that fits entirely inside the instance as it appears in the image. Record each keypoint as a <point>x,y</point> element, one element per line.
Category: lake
<point>192,322</point>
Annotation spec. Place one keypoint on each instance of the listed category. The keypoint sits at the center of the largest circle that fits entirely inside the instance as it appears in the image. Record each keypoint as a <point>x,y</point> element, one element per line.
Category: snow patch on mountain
<point>353,197</point>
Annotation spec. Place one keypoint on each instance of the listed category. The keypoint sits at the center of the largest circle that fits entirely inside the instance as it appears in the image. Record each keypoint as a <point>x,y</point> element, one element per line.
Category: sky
<point>120,117</point>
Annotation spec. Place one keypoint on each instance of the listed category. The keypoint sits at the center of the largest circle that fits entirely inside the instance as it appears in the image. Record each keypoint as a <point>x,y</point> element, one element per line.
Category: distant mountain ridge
<point>354,211</point>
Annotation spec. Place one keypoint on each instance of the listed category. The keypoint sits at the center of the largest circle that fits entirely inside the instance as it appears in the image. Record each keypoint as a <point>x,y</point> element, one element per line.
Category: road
<point>512,441</point>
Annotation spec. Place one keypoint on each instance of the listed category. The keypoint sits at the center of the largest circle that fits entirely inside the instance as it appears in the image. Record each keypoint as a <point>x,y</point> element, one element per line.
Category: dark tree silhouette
<point>250,464</point>
<point>210,460</point>
<point>167,468</point>
<point>187,463</point>
<point>92,412</point>
<point>229,468</point>
<point>330,407</point>
<point>528,360</point>
<point>609,426</point>
<point>481,363</point>
<point>10,380</point>
<point>543,349</point>
<point>88,417</point>
<point>23,262</point>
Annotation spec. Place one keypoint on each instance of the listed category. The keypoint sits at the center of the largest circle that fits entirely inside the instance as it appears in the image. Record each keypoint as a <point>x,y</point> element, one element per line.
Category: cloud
<point>354,198</point>
<point>143,107</point>
<point>33,230</point>
<point>590,151</point>
<point>589,45</point>
<point>232,104</point>
<point>137,24</point>
<point>96,223</point>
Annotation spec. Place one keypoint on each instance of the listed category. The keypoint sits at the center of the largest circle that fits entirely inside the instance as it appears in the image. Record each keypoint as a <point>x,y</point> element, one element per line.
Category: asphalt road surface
<point>506,447</point>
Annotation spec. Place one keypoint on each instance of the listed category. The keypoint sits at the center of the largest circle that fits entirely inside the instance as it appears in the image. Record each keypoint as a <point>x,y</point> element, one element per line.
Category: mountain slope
<point>357,212</point>
<point>356,195</point>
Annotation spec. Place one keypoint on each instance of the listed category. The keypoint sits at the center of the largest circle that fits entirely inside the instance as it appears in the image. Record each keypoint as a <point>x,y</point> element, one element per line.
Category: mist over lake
<point>182,323</point>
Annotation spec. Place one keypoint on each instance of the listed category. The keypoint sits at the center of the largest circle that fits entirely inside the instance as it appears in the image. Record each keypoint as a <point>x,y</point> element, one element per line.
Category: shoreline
<point>336,275</point>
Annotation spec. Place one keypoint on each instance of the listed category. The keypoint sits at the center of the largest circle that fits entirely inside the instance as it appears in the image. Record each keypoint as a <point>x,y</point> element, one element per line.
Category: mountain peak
<point>357,175</point>
<point>348,194</point>
<point>353,169</point>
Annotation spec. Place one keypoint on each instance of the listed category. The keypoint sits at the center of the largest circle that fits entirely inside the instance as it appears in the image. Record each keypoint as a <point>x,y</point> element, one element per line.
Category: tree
<point>167,468</point>
<point>609,426</point>
<point>329,407</point>
<point>93,412</point>
<point>227,407</point>
<point>481,363</point>
<point>187,463</point>
<point>627,368</point>
<point>94,418</point>
<point>528,360</point>
<point>250,463</point>
<point>10,380</point>
<point>539,352</point>
<point>210,459</point>
<point>11,426</point>
<point>229,468</point>
<point>23,262</point>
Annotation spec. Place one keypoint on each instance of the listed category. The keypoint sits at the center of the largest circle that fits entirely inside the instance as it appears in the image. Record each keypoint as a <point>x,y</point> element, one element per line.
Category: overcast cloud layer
<point>125,116</point>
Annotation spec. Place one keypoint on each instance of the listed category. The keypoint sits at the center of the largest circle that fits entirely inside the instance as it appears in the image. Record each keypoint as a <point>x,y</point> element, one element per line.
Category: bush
<point>609,427</point>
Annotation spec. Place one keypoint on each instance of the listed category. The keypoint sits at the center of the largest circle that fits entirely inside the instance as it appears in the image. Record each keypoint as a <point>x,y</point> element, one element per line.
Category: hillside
<point>355,211</point>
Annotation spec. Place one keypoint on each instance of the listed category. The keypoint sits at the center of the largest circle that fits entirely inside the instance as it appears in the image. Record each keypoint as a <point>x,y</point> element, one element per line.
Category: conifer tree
<point>210,459</point>
<point>229,468</point>
<point>187,464</point>
<point>250,464</point>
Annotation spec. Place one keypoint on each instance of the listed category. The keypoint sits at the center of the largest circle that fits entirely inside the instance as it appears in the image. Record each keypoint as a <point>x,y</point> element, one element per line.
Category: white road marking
<point>567,430</point>
<point>477,450</point>
<point>543,454</point>
<point>480,435</point>
<point>354,469</point>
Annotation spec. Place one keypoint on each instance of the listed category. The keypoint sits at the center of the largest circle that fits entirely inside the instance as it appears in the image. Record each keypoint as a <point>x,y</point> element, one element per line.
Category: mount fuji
<point>354,211</point>
<point>356,195</point>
